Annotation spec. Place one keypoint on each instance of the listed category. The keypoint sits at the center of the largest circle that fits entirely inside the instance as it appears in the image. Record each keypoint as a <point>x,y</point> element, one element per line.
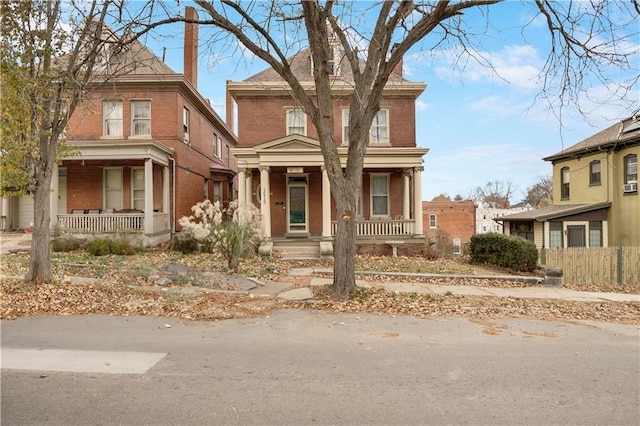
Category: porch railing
<point>160,222</point>
<point>99,223</point>
<point>380,227</point>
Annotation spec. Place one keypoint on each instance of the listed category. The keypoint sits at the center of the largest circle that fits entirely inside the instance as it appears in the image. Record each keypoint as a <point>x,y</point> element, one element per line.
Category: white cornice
<point>120,150</point>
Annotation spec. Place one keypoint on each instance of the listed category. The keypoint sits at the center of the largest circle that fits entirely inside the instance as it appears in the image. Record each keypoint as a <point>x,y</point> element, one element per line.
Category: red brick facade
<point>456,218</point>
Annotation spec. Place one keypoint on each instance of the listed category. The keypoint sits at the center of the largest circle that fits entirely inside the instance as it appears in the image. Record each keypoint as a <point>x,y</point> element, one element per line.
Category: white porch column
<point>54,197</point>
<point>417,199</point>
<point>249,187</point>
<point>166,204</point>
<point>265,201</point>
<point>148,197</point>
<point>326,204</point>
<point>5,214</point>
<point>242,187</point>
<point>406,196</point>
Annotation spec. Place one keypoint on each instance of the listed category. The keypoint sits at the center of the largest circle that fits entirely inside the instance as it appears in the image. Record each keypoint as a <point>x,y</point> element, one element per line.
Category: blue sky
<point>480,124</point>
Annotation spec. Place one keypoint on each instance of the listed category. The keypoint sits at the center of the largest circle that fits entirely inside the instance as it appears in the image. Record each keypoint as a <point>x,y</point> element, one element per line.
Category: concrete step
<point>297,251</point>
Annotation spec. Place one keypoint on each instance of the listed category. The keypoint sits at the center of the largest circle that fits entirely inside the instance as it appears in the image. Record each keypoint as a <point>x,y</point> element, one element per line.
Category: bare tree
<point>53,52</point>
<point>540,194</point>
<point>496,193</point>
<point>374,36</point>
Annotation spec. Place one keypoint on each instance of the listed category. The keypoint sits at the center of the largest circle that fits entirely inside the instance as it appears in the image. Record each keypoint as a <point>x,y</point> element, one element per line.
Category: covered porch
<point>114,188</point>
<point>286,180</point>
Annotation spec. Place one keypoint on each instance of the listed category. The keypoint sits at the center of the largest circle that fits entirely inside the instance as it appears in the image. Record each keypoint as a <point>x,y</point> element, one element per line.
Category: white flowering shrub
<point>233,232</point>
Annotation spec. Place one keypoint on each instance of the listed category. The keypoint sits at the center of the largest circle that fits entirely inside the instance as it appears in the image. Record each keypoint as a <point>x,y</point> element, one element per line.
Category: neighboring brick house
<point>455,218</point>
<point>595,193</point>
<point>281,166</point>
<point>148,147</point>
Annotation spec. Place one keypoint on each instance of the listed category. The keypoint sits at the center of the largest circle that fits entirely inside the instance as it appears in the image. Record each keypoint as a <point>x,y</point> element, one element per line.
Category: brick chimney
<point>398,68</point>
<point>191,46</point>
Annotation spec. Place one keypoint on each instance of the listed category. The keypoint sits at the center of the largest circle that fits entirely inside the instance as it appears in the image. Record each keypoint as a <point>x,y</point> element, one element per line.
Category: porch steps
<point>297,250</point>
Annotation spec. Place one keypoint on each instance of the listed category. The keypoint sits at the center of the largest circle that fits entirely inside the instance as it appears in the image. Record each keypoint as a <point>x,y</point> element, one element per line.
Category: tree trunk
<point>344,264</point>
<point>40,260</point>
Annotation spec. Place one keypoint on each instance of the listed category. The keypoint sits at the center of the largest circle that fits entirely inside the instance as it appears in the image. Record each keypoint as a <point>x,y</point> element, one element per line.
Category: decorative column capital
<point>419,169</point>
<point>264,169</point>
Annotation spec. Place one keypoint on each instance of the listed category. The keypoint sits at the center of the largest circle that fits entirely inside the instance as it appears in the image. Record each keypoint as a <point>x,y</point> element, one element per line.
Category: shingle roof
<point>625,132</point>
<point>301,67</point>
<point>552,212</point>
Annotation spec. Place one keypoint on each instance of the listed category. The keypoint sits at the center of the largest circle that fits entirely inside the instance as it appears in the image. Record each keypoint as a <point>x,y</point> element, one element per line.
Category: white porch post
<point>148,197</point>
<point>406,197</point>
<point>53,198</point>
<point>242,188</point>
<point>326,205</point>
<point>417,199</point>
<point>265,201</point>
<point>166,206</point>
<point>249,187</point>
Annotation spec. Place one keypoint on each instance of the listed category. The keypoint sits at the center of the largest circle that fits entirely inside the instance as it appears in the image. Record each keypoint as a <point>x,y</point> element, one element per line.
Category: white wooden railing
<point>98,223</point>
<point>380,227</point>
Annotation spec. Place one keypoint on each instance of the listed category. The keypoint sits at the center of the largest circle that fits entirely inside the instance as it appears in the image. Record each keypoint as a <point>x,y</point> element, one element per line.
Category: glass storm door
<point>297,218</point>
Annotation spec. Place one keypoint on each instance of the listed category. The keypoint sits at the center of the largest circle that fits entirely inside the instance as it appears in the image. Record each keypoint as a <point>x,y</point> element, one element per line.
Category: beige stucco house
<point>595,192</point>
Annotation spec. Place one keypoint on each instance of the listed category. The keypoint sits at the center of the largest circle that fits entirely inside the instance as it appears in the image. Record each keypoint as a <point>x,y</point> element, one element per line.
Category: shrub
<point>440,247</point>
<point>185,244</point>
<point>504,250</point>
<point>105,246</point>
<point>65,244</point>
<point>233,232</point>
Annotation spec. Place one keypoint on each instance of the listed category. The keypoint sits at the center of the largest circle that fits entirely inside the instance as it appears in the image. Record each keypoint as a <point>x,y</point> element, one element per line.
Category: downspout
<point>172,215</point>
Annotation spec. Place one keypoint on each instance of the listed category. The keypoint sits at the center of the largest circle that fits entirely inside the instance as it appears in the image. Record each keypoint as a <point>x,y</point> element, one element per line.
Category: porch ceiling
<point>121,150</point>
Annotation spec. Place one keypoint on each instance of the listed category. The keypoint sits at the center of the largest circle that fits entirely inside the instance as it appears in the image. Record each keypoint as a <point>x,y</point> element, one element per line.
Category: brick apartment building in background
<point>456,219</point>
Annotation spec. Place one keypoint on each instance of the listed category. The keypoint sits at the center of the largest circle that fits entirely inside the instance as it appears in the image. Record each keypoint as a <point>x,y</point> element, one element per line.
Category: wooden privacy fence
<point>599,265</point>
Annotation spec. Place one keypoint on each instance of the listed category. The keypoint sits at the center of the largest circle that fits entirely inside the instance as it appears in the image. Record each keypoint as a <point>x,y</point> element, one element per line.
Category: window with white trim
<point>141,118</point>
<point>345,126</point>
<point>457,246</point>
<point>137,188</point>
<point>296,122</point>
<point>595,233</point>
<point>379,195</point>
<point>112,118</point>
<point>432,221</point>
<point>112,188</point>
<point>556,234</point>
<point>185,124</point>
<point>379,132</point>
<point>631,168</point>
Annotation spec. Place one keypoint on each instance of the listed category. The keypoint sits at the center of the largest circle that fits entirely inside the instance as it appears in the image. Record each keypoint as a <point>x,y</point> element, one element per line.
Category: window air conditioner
<point>630,187</point>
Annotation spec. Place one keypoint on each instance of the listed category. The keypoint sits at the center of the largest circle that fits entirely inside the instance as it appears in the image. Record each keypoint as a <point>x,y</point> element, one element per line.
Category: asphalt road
<point>305,367</point>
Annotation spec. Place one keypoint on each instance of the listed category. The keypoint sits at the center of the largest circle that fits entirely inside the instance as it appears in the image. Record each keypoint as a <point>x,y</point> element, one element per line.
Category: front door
<point>576,236</point>
<point>297,204</point>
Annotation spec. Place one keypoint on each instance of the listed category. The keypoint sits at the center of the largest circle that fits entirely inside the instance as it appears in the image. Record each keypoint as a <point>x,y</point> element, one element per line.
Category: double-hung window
<point>141,118</point>
<point>296,122</point>
<point>555,235</point>
<point>595,234</point>
<point>217,146</point>
<point>112,118</point>
<point>564,183</point>
<point>432,221</point>
<point>185,124</point>
<point>594,173</point>
<point>137,188</point>
<point>379,132</point>
<point>631,168</point>
<point>345,126</point>
<point>379,195</point>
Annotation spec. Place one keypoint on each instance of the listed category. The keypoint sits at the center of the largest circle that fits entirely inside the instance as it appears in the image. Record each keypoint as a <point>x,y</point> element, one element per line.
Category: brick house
<point>148,146</point>
<point>281,167</point>
<point>455,218</point>
<point>595,193</point>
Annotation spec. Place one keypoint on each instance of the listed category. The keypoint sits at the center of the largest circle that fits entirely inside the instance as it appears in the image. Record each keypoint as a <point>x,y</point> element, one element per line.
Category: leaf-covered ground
<point>124,285</point>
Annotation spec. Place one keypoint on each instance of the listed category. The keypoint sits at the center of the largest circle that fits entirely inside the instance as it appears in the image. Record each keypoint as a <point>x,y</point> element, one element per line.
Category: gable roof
<point>624,133</point>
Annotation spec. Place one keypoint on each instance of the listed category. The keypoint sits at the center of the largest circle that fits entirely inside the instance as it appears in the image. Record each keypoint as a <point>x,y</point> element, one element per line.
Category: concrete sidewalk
<point>13,242</point>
